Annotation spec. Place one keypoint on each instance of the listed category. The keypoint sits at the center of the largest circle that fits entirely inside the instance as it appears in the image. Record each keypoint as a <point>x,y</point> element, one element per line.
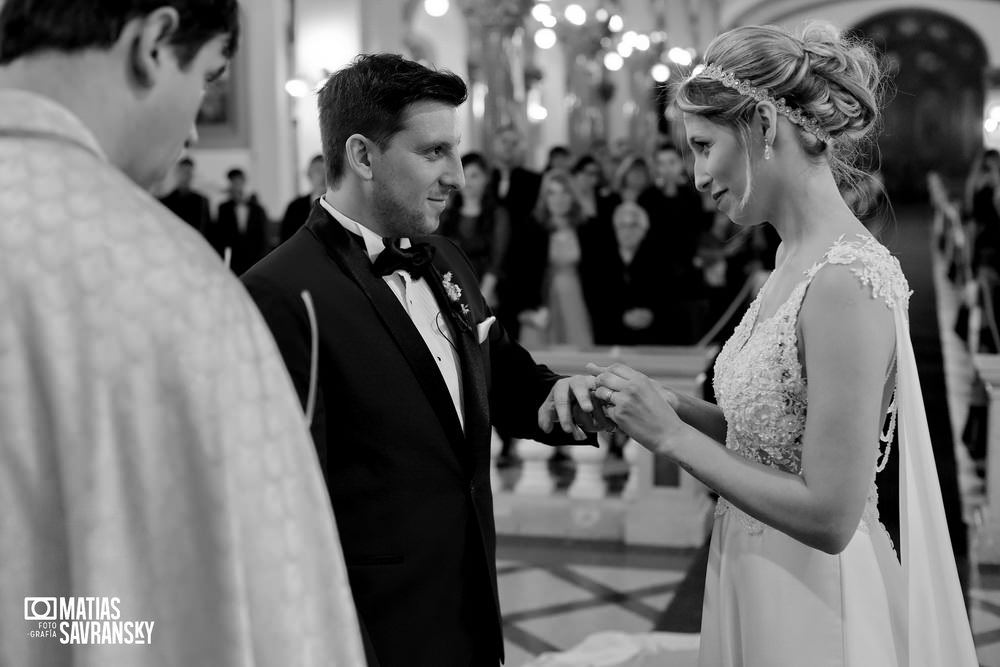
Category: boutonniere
<point>459,310</point>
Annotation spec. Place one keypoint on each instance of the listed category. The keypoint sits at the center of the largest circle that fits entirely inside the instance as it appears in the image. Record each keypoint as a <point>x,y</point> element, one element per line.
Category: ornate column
<point>328,36</point>
<point>497,64</point>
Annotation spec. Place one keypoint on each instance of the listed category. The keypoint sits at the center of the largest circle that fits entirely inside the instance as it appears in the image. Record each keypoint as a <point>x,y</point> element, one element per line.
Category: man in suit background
<point>241,225</point>
<point>412,368</point>
<point>187,203</point>
<point>516,188</point>
<point>298,209</point>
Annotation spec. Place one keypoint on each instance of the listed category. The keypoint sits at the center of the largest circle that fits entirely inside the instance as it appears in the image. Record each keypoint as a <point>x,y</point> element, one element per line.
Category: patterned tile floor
<point>555,593</point>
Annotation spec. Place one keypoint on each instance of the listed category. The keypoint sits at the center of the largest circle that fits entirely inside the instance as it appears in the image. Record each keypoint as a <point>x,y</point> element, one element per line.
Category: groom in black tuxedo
<point>412,367</point>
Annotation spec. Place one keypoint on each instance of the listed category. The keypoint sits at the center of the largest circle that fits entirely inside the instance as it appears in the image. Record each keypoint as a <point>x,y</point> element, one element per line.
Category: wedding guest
<point>982,201</point>
<point>596,203</point>
<point>546,280</point>
<point>721,276</point>
<point>559,158</point>
<point>152,450</point>
<point>619,151</point>
<point>630,301</point>
<point>676,234</point>
<point>981,189</point>
<point>774,120</point>
<point>187,203</point>
<point>550,260</point>
<point>602,153</point>
<point>298,209</point>
<point>479,225</point>
<point>683,220</point>
<point>412,368</point>
<point>514,187</point>
<point>634,183</point>
<point>982,209</point>
<point>241,225</point>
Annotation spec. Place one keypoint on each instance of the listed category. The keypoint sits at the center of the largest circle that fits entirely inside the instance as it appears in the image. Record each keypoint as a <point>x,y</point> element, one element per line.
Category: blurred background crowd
<point>606,247</point>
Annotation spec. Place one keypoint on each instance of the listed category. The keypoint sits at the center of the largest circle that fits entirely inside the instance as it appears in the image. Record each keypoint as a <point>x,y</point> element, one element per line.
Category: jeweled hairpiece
<point>727,79</point>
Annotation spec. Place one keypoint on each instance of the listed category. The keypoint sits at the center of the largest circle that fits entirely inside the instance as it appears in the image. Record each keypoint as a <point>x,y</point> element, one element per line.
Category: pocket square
<point>483,328</point>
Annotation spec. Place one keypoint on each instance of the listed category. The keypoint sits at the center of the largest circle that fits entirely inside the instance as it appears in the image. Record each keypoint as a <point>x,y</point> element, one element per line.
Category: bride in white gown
<point>801,571</point>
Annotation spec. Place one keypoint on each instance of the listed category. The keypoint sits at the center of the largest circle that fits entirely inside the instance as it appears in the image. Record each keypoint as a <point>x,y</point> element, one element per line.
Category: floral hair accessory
<point>727,79</point>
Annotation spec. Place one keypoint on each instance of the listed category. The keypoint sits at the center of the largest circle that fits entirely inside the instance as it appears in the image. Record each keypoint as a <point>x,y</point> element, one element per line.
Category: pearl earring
<point>767,150</point>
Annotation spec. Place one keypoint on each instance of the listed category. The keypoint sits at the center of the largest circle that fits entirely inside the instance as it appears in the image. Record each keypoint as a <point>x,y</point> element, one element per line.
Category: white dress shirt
<point>503,187</point>
<point>419,303</point>
<point>242,211</point>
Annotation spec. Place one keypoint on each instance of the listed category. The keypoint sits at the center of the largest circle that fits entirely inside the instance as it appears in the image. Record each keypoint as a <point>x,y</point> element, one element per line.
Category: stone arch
<point>933,120</point>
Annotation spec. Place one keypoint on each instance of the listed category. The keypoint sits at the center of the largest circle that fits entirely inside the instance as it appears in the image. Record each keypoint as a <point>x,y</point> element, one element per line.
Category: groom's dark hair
<point>28,27</point>
<point>370,96</point>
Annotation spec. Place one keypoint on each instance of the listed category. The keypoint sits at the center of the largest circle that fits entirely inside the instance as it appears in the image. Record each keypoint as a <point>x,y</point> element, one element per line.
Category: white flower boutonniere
<point>453,291</point>
<point>460,310</point>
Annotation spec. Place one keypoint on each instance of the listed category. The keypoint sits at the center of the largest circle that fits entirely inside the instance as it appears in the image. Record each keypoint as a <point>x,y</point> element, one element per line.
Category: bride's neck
<point>816,214</point>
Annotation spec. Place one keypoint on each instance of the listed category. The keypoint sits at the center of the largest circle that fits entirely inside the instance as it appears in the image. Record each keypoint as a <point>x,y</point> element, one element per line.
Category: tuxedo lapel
<point>475,392</point>
<point>354,262</point>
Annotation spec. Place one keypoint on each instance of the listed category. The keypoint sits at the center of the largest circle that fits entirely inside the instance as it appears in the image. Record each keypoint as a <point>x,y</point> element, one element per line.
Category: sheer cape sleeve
<point>938,631</point>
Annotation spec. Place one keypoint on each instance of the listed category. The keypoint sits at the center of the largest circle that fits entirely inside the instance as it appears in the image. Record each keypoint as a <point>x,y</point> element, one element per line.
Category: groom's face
<point>415,174</point>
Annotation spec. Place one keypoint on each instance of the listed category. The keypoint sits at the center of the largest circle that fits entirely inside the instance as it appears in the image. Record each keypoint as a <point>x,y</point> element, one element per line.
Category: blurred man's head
<point>669,165</point>
<point>316,173</point>
<point>184,174</point>
<point>991,159</point>
<point>508,150</point>
<point>559,158</point>
<point>587,174</point>
<point>237,183</point>
<point>134,71</point>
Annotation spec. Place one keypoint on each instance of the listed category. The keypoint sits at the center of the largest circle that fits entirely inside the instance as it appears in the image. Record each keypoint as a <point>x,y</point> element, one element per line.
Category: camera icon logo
<point>40,609</point>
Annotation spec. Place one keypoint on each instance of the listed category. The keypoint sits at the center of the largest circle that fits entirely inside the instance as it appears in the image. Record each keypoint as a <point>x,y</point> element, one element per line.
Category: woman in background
<point>557,251</point>
<point>479,224</point>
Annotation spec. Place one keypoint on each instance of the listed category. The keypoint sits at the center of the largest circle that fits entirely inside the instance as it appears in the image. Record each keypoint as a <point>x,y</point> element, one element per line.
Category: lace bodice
<point>759,383</point>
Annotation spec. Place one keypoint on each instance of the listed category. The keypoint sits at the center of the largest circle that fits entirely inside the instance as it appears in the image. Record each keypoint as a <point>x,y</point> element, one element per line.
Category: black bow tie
<point>416,259</point>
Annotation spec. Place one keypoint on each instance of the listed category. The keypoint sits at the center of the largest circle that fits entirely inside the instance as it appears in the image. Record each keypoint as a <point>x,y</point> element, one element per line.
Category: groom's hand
<point>571,405</point>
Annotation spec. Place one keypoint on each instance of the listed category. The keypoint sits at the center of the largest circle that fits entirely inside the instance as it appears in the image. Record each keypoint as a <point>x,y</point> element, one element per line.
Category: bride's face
<point>721,166</point>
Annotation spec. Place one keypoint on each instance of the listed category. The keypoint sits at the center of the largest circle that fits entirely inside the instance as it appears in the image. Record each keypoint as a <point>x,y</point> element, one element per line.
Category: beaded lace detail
<point>758,377</point>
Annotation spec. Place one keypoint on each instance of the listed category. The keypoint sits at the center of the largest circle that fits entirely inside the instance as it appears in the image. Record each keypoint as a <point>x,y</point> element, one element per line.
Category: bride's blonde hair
<point>834,80</point>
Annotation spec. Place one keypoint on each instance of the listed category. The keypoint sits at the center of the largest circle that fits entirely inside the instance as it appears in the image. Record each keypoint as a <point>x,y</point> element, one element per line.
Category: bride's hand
<point>642,408</point>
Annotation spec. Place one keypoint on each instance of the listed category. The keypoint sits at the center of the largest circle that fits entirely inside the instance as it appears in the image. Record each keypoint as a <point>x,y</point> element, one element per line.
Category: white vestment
<point>152,448</point>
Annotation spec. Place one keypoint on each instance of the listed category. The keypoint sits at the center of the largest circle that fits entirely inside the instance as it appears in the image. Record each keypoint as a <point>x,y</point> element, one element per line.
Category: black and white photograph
<point>482,333</point>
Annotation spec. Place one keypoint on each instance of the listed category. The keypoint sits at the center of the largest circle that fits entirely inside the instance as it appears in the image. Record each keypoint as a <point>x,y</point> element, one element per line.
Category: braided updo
<point>835,80</point>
